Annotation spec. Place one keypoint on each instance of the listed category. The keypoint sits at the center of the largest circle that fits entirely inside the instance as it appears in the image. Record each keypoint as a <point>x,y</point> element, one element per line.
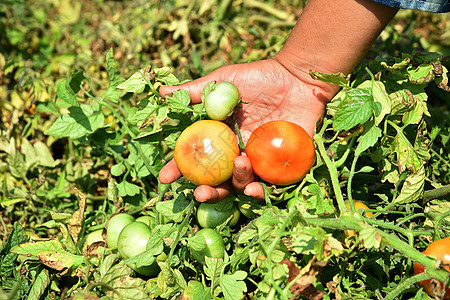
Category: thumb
<point>194,87</point>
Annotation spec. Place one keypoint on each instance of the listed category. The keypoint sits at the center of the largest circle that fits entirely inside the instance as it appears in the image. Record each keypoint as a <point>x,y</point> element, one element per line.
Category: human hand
<point>269,91</point>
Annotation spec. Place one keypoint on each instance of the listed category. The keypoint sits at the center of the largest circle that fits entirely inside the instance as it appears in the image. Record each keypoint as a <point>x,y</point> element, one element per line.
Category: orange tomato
<point>204,152</point>
<point>281,152</point>
<point>439,249</point>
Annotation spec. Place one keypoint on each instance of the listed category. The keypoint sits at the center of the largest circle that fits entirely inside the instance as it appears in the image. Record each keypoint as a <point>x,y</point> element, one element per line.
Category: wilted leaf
<point>51,253</point>
<point>412,188</point>
<point>338,79</point>
<point>77,218</point>
<point>370,238</point>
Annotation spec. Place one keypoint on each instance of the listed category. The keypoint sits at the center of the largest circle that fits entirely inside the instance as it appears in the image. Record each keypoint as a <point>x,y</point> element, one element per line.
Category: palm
<point>270,92</point>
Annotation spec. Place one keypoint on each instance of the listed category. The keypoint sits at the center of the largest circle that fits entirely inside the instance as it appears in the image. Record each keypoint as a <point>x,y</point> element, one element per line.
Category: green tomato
<point>210,215</point>
<point>220,100</point>
<point>215,246</point>
<point>132,241</point>
<point>115,226</point>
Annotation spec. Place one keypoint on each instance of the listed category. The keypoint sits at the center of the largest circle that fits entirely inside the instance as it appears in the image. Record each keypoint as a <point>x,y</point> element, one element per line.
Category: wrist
<point>333,36</point>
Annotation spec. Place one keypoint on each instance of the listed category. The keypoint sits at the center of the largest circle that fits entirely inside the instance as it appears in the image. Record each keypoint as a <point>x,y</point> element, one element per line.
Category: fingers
<point>169,173</point>
<point>242,182</point>
<point>242,173</point>
<point>255,190</point>
<point>209,194</point>
<point>194,87</point>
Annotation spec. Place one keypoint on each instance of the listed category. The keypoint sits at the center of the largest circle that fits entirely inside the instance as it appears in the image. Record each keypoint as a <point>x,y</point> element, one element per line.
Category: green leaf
<point>412,188</point>
<point>197,242</point>
<point>163,74</point>
<point>67,90</point>
<point>126,188</point>
<point>118,169</point>
<point>213,268</point>
<point>246,235</point>
<point>179,101</point>
<point>379,96</point>
<point>51,253</point>
<point>233,286</point>
<point>112,93</point>
<point>207,89</point>
<point>77,123</point>
<point>41,282</point>
<point>196,291</point>
<point>136,83</point>
<point>355,109</point>
<point>338,79</point>
<point>7,258</point>
<point>368,137</point>
<point>174,209</point>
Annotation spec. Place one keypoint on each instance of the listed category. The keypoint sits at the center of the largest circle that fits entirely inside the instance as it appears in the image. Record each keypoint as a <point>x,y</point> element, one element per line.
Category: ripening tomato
<point>439,249</point>
<point>281,152</point>
<point>204,152</point>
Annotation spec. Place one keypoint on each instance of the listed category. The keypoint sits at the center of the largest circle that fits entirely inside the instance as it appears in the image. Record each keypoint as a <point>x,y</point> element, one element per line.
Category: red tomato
<point>281,152</point>
<point>439,249</point>
<point>205,151</point>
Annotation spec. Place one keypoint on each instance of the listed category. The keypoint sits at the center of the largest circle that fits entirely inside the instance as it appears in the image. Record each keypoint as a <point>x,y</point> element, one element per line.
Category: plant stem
<point>436,193</point>
<point>333,173</point>
<point>180,228</point>
<point>400,288</point>
<point>391,240</point>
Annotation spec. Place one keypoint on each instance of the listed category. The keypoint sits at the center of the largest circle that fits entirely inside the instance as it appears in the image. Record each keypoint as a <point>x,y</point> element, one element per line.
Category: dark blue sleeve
<point>438,6</point>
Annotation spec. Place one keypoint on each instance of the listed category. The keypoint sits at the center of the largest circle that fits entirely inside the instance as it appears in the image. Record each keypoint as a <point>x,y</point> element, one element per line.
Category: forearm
<point>334,35</point>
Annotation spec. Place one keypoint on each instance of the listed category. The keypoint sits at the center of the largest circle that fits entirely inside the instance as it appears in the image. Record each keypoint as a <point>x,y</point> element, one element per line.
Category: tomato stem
<point>241,143</point>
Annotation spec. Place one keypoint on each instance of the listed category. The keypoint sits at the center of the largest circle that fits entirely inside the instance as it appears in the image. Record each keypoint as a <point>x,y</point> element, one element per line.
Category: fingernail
<point>245,192</point>
<point>240,169</point>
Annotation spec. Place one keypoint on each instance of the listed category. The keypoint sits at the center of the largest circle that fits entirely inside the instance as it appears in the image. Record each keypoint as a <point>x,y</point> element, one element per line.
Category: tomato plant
<point>212,215</point>
<point>439,249</point>
<point>204,152</point>
<point>281,152</point>
<point>215,246</point>
<point>220,99</point>
<point>115,226</point>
